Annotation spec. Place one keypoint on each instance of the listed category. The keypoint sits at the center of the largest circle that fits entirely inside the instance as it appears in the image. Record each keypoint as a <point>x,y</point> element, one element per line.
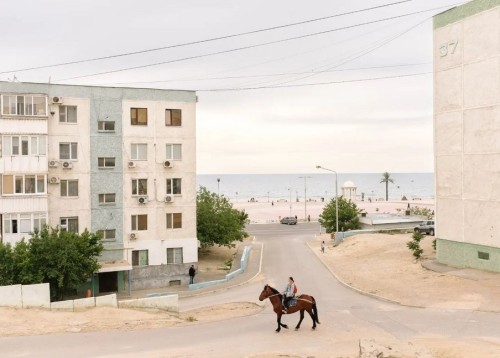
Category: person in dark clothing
<point>192,272</point>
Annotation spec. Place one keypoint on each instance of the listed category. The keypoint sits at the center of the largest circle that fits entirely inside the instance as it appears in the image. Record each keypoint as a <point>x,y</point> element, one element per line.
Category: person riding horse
<point>289,293</point>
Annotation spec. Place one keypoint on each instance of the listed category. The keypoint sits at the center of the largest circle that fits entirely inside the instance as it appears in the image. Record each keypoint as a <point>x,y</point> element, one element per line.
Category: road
<point>345,317</point>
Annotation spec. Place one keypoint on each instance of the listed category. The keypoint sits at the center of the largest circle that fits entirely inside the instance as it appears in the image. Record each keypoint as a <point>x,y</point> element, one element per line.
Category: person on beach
<point>289,293</point>
<point>323,246</point>
<point>192,272</point>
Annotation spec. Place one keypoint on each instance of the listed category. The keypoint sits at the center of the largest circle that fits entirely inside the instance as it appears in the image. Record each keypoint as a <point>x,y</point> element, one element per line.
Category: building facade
<point>467,133</point>
<point>118,161</point>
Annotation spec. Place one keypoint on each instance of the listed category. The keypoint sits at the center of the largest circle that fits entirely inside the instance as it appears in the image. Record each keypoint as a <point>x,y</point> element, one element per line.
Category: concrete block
<point>11,296</point>
<point>36,296</point>
<point>106,301</point>
<point>164,303</point>
<point>62,306</point>
<point>233,274</point>
<point>83,303</point>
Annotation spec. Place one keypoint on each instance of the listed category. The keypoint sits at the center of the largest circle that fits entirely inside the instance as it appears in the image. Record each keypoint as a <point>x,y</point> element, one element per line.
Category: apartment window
<point>107,198</point>
<point>23,223</point>
<point>23,184</point>
<point>24,105</point>
<point>69,223</point>
<point>140,258</point>
<point>173,117</point>
<point>109,234</point>
<point>174,220</point>
<point>68,151</point>
<point>106,162</point>
<point>69,188</point>
<point>10,224</point>
<point>139,151</point>
<point>174,186</point>
<point>39,145</point>
<point>106,126</point>
<point>39,221</point>
<point>139,222</point>
<point>174,151</point>
<point>174,256</point>
<point>23,145</point>
<point>139,116</point>
<point>139,187</point>
<point>67,114</point>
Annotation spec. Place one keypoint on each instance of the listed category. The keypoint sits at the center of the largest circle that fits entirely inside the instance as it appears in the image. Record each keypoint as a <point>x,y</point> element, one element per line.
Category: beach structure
<point>120,161</point>
<point>466,134</point>
<point>349,190</point>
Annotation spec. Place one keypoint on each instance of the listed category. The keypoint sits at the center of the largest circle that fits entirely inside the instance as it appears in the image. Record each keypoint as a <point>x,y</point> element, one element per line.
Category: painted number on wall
<point>448,48</point>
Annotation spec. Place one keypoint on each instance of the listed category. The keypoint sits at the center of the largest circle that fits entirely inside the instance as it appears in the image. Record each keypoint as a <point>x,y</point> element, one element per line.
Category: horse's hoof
<point>285,326</point>
<point>296,328</point>
<point>314,327</point>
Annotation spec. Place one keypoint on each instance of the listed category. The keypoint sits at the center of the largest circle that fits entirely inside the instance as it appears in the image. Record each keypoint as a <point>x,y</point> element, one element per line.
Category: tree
<point>348,216</point>
<point>217,223</point>
<point>63,259</point>
<point>386,179</point>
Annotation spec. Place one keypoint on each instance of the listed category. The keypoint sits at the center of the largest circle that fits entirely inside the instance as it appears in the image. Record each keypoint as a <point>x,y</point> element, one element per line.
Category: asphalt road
<point>343,314</point>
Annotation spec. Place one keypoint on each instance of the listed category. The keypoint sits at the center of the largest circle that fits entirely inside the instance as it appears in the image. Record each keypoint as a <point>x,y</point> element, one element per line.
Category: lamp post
<point>218,181</point>
<point>336,196</point>
<point>305,196</point>
<point>290,191</point>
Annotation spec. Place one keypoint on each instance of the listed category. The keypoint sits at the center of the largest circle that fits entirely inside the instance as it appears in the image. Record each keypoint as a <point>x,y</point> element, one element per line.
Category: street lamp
<point>336,196</point>
<point>305,196</point>
<point>290,190</point>
<point>218,181</point>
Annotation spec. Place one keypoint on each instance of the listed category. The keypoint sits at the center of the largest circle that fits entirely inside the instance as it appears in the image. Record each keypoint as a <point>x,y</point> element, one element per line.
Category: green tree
<point>63,259</point>
<point>414,245</point>
<point>348,216</point>
<point>217,223</point>
<point>6,264</point>
<point>386,178</point>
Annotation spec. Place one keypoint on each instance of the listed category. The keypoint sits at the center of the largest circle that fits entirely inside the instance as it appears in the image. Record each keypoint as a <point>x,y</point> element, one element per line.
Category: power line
<point>247,47</point>
<point>206,40</point>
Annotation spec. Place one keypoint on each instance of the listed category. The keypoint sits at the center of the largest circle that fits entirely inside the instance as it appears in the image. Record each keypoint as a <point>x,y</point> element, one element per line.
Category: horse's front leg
<point>279,323</point>
<point>301,318</point>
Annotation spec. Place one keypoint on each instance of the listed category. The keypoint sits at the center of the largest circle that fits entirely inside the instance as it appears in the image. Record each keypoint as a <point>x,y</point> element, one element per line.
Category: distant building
<point>467,134</point>
<point>120,161</point>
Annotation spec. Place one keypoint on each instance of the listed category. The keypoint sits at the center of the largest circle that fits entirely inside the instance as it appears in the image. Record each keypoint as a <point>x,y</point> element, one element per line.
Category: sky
<point>347,85</point>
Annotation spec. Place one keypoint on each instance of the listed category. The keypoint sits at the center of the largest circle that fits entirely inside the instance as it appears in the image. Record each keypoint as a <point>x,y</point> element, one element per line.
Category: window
<point>70,224</point>
<point>10,224</point>
<point>69,188</point>
<point>139,116</point>
<point>174,221</point>
<point>139,257</point>
<point>174,186</point>
<point>24,105</point>
<point>23,145</point>
<point>139,222</point>
<point>174,151</point>
<point>39,221</point>
<point>139,187</point>
<point>109,234</point>
<point>24,223</point>
<point>67,114</point>
<point>107,198</point>
<point>23,184</point>
<point>174,256</point>
<point>68,151</point>
<point>139,151</point>
<point>106,162</point>
<point>173,117</point>
<point>106,126</point>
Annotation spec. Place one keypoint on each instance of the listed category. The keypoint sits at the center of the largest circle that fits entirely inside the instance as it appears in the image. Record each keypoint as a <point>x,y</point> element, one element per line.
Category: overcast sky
<point>363,124</point>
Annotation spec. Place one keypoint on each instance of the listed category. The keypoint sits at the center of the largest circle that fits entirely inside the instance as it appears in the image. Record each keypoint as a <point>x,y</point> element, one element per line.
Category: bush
<point>414,245</point>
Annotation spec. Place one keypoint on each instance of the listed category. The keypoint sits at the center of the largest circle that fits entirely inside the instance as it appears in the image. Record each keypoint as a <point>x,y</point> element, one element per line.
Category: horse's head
<point>266,292</point>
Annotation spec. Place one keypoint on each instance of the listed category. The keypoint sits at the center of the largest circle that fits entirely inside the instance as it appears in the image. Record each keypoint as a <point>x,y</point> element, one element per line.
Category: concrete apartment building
<point>116,160</point>
<point>467,134</point>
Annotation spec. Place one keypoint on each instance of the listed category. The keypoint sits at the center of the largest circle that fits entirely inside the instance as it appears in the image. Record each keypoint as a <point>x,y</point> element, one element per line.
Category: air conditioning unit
<point>168,164</point>
<point>53,163</point>
<point>57,100</point>
<point>54,180</point>
<point>142,199</point>
<point>169,198</point>
<point>67,165</point>
<point>131,164</point>
<point>132,236</point>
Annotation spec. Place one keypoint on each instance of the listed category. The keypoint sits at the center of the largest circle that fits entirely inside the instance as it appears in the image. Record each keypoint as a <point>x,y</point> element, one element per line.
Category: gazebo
<point>349,190</point>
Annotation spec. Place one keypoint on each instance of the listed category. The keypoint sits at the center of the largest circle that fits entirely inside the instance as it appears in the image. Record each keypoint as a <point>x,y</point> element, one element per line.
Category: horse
<point>304,303</point>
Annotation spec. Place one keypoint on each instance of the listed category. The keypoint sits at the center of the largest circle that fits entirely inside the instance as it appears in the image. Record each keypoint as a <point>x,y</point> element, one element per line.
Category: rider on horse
<point>289,293</point>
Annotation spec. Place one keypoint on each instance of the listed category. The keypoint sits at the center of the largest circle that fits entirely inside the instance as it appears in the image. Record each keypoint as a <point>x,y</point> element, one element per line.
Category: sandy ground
<point>373,256</point>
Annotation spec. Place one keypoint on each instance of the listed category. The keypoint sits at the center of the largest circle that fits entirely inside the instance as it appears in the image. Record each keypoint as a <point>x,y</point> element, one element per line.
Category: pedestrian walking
<point>323,246</point>
<point>192,272</point>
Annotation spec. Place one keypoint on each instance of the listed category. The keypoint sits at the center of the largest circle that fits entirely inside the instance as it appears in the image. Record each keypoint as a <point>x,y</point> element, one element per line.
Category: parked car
<point>426,227</point>
<point>289,220</point>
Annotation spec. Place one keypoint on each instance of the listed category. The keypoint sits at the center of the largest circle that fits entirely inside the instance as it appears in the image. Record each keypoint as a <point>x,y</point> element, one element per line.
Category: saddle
<point>292,302</point>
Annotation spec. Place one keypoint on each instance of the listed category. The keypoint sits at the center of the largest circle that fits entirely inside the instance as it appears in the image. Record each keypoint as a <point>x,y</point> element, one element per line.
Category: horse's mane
<point>273,289</point>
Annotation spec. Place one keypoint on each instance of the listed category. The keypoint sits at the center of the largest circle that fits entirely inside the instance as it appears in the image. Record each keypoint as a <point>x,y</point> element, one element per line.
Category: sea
<point>265,187</point>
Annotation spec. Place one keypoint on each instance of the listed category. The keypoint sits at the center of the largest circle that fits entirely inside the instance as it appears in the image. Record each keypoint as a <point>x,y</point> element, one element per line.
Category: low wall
<point>168,302</point>
<point>25,296</point>
<point>85,303</point>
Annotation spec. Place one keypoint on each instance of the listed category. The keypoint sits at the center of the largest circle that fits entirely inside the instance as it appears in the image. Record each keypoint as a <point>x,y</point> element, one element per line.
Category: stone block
<point>106,301</point>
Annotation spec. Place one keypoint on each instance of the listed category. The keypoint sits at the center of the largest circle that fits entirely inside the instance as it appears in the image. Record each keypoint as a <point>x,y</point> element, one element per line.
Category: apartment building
<point>120,161</point>
<point>466,134</point>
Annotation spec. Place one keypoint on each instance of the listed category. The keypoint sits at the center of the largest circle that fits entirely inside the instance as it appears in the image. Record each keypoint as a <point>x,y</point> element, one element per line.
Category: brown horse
<point>304,303</point>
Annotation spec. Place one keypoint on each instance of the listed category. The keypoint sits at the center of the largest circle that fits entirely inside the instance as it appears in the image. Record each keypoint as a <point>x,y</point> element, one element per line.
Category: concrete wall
<point>25,296</point>
<point>165,303</point>
<point>466,132</point>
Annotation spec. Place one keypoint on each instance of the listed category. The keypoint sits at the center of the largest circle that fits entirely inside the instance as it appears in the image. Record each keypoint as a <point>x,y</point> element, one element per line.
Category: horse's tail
<point>315,310</point>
